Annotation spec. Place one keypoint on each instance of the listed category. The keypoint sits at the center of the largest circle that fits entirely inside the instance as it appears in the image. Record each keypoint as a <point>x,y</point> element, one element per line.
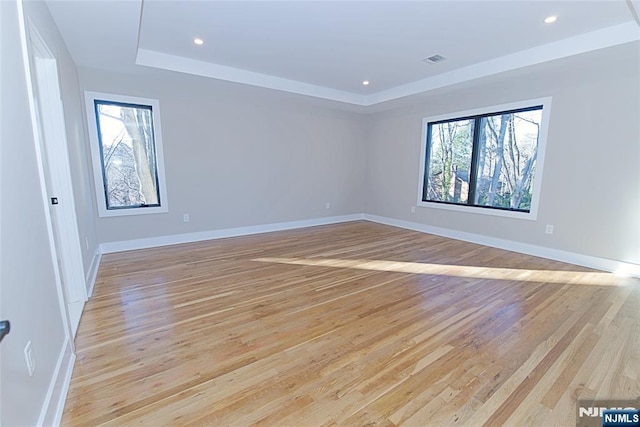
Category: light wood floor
<point>354,324</point>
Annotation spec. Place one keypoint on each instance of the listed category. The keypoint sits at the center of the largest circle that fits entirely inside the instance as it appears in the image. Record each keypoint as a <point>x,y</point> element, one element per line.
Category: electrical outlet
<point>327,205</point>
<point>549,229</point>
<point>413,209</point>
<point>185,217</point>
<point>31,361</point>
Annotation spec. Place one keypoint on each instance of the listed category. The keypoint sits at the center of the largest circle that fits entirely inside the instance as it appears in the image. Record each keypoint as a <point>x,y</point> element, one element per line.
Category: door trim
<point>54,173</point>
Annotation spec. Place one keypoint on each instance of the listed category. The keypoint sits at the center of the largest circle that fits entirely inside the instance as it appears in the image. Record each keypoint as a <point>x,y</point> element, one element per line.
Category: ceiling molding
<point>181,64</point>
<point>634,8</point>
<point>595,40</point>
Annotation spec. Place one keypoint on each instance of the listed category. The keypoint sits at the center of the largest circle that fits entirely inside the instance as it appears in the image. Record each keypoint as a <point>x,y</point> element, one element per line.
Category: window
<point>126,148</point>
<point>486,161</point>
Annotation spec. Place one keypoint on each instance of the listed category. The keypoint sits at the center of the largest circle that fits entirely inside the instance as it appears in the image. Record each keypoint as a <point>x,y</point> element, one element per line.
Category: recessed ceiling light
<point>550,19</point>
<point>198,41</point>
<point>365,83</point>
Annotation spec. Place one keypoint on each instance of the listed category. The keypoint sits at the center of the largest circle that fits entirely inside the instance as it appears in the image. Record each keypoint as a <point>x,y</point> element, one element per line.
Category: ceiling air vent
<point>434,59</point>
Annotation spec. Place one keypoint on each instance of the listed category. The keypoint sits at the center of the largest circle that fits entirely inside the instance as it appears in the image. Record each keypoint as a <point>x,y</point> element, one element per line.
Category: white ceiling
<point>326,49</point>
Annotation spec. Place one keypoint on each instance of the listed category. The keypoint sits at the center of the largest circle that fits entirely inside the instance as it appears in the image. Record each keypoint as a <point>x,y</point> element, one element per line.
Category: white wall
<point>239,156</point>
<point>29,293</point>
<point>591,183</point>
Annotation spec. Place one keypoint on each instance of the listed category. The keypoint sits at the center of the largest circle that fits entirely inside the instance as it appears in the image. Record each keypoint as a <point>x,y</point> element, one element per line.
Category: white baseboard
<point>51,413</point>
<point>597,263</point>
<point>92,274</point>
<point>152,242</point>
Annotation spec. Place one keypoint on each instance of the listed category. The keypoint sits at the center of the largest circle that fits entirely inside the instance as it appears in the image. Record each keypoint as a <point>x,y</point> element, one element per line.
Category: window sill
<point>531,216</point>
<point>104,213</point>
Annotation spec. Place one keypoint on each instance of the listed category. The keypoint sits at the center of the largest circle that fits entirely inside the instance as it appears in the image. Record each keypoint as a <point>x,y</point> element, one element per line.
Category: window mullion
<point>475,151</point>
<point>427,168</point>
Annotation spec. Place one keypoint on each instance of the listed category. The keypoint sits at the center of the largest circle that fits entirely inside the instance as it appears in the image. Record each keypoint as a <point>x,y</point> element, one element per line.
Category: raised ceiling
<point>326,49</point>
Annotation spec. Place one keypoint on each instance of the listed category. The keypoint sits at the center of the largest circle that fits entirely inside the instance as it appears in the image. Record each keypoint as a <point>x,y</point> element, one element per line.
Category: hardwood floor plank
<point>349,324</point>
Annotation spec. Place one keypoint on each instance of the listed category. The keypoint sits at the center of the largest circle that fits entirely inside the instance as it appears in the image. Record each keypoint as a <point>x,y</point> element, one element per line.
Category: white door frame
<point>53,158</point>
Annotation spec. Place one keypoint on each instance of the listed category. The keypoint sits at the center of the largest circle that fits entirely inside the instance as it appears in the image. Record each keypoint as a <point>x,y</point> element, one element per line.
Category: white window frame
<point>537,183</point>
<point>96,160</point>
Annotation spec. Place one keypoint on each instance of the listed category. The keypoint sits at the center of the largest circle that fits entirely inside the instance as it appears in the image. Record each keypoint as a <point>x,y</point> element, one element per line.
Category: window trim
<point>96,153</point>
<point>484,111</point>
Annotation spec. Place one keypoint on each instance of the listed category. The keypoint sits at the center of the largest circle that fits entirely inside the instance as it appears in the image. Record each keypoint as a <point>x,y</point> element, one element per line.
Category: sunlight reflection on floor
<point>592,278</point>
